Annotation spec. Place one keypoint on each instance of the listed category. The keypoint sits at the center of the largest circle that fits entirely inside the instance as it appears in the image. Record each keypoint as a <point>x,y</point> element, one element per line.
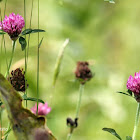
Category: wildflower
<point>17,80</point>
<point>83,72</point>
<point>133,84</point>
<point>43,109</point>
<point>12,25</point>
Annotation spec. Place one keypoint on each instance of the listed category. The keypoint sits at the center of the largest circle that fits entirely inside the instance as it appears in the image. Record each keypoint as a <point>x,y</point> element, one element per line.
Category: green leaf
<point>130,92</point>
<point>124,93</point>
<point>30,31</point>
<point>1,103</point>
<point>26,31</point>
<point>23,43</point>
<point>110,1</point>
<point>40,43</point>
<point>2,33</point>
<point>32,99</point>
<point>128,138</point>
<point>113,132</point>
<point>37,30</point>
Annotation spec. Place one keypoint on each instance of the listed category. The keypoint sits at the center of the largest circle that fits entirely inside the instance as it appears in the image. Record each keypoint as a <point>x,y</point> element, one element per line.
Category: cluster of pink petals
<point>133,84</point>
<point>12,25</point>
<point>43,109</point>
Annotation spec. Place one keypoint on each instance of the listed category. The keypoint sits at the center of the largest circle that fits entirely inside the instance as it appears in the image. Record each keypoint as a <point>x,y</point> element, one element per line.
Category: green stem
<point>25,53</point>
<point>69,136</point>
<point>30,28</point>
<point>1,121</point>
<point>81,90</point>
<point>38,62</point>
<point>5,51</point>
<point>5,7</point>
<point>1,43</point>
<point>136,122</point>
<point>9,66</point>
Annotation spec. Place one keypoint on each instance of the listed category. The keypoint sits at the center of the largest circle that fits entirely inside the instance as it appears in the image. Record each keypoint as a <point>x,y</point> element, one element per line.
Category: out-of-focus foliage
<point>105,34</point>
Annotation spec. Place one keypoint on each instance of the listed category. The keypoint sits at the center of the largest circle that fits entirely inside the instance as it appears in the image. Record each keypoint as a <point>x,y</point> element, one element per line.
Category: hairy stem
<point>136,122</point>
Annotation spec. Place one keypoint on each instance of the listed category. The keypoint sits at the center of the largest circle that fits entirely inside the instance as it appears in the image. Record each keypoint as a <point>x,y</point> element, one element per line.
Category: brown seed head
<point>83,72</point>
<point>17,80</point>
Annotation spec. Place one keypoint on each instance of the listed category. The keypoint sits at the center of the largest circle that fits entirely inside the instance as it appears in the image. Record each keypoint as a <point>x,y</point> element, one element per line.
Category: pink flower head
<point>12,25</point>
<point>133,84</point>
<point>43,109</point>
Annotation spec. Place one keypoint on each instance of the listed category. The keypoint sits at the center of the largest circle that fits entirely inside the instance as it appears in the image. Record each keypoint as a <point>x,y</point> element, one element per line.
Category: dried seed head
<point>83,72</point>
<point>17,80</point>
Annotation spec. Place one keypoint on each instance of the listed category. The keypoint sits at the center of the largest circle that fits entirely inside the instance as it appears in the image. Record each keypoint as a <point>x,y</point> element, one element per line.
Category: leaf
<point>113,132</point>
<point>32,99</point>
<point>2,33</point>
<point>128,138</point>
<point>130,92</point>
<point>23,43</point>
<point>30,31</point>
<point>1,103</point>
<point>124,93</point>
<point>110,1</point>
<point>40,43</point>
<point>26,31</point>
<point>37,30</point>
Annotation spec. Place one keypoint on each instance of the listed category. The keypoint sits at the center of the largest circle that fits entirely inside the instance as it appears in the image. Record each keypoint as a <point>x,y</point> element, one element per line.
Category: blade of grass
<point>57,68</point>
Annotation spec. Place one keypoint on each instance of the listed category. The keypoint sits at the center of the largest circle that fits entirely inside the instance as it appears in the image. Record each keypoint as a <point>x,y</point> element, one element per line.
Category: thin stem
<point>3,35</point>
<point>5,7</point>
<point>136,122</point>
<point>25,52</point>
<point>69,136</point>
<point>81,90</point>
<point>38,62</point>
<point>30,28</point>
<point>5,51</point>
<point>1,43</point>
<point>9,66</point>
<point>1,121</point>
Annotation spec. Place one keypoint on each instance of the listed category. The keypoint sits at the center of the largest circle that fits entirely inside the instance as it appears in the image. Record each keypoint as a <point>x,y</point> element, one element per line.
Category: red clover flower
<point>43,109</point>
<point>12,25</point>
<point>133,84</point>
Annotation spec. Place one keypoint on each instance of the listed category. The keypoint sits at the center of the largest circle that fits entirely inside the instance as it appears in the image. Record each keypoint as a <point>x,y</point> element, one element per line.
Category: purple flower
<point>43,109</point>
<point>133,84</point>
<point>12,25</point>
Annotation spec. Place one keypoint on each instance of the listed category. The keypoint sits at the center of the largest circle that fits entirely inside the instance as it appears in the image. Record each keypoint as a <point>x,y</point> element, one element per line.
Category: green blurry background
<point>105,34</point>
